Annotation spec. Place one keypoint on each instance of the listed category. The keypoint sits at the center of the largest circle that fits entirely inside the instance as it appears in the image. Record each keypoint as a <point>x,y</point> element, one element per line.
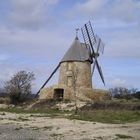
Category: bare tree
<point>19,86</point>
<point>122,92</point>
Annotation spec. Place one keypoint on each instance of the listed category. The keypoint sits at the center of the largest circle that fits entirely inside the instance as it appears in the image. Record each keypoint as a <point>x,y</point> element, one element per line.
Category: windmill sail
<point>48,79</point>
<point>88,35</point>
<point>94,42</point>
<point>99,44</point>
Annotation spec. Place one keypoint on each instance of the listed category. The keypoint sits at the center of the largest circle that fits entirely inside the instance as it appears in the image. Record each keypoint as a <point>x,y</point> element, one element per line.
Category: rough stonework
<point>74,79</point>
<point>48,93</point>
<point>69,93</point>
<point>78,73</point>
<point>83,94</point>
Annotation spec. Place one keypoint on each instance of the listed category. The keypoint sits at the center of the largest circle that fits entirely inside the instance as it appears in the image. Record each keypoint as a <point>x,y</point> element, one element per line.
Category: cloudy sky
<point>35,34</point>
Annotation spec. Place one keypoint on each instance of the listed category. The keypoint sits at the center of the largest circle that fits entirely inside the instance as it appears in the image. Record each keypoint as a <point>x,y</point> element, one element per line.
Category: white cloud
<point>4,57</point>
<point>43,44</point>
<point>117,82</point>
<point>52,2</point>
<point>41,70</point>
<point>124,49</point>
<point>128,82</point>
<point>89,8</point>
<point>46,47</point>
<point>125,10</point>
<point>123,43</point>
<point>31,14</point>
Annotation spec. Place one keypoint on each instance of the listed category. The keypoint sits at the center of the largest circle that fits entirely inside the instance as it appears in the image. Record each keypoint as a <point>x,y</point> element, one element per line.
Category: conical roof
<point>77,52</point>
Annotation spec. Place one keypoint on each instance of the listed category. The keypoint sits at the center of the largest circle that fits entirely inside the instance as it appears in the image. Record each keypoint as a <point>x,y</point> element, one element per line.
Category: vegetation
<point>45,112</point>
<point>113,111</point>
<point>121,136</point>
<point>124,106</point>
<point>107,116</point>
<point>114,104</point>
<point>124,93</point>
<point>19,86</point>
<point>100,115</point>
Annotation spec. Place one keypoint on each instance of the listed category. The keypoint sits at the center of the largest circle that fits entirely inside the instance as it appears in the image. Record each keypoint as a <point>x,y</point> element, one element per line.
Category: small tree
<point>123,93</point>
<point>19,86</point>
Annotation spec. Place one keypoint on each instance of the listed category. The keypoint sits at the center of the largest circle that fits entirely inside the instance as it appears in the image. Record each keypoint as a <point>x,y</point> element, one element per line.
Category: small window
<point>69,66</point>
<point>58,94</point>
<point>69,81</point>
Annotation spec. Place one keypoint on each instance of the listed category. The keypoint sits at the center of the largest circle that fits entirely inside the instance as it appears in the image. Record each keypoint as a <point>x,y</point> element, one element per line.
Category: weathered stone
<point>48,93</point>
<point>80,73</point>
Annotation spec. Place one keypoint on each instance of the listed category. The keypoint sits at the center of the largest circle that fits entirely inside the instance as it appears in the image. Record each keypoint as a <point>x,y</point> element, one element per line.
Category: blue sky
<point>35,34</point>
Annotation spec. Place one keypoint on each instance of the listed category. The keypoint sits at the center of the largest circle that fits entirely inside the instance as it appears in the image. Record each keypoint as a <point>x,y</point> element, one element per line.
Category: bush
<point>112,105</point>
<point>124,93</point>
<point>19,86</point>
<point>4,100</point>
<point>136,95</point>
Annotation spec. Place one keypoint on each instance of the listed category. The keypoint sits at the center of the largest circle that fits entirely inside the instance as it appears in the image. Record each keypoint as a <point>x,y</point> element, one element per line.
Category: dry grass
<point>99,95</point>
<point>113,105</point>
<point>107,116</point>
<point>4,100</point>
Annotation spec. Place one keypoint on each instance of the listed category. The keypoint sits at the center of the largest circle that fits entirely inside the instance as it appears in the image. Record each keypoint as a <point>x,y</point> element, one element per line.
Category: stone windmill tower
<point>75,76</point>
<point>75,66</point>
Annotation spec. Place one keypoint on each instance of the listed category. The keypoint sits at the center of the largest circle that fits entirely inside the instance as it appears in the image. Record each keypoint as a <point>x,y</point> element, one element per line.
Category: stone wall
<point>83,94</point>
<point>48,93</point>
<point>75,72</point>
<point>76,80</point>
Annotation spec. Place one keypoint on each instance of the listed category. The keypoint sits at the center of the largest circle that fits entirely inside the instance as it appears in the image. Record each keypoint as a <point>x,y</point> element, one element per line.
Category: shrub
<point>4,100</point>
<point>99,95</point>
<point>19,86</point>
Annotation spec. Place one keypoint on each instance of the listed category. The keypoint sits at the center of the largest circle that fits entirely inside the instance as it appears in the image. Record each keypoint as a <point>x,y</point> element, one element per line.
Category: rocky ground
<point>40,127</point>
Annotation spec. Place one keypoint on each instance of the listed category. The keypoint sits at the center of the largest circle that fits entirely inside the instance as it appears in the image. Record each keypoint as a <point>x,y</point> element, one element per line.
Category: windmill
<point>93,41</point>
<point>79,56</point>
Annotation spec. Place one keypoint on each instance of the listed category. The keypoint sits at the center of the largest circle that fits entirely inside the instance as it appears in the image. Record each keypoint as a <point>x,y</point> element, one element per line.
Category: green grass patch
<point>107,116</point>
<point>122,136</point>
<point>23,119</point>
<point>56,135</point>
<point>100,115</point>
<point>51,112</point>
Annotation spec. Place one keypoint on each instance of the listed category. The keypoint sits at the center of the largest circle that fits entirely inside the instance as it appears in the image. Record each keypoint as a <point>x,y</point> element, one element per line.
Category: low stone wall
<point>98,95</point>
<point>83,94</point>
<point>48,93</point>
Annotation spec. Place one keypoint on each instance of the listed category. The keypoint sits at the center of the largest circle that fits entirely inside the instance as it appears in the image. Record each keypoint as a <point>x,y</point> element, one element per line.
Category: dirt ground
<point>38,127</point>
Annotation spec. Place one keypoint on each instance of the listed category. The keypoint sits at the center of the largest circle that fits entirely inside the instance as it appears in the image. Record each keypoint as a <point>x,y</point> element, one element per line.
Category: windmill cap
<point>77,52</point>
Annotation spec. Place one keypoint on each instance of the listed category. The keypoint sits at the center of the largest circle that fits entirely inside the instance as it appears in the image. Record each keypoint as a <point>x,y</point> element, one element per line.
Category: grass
<point>122,136</point>
<point>108,116</point>
<point>95,115</point>
<point>35,128</point>
<point>23,119</point>
<point>56,135</point>
<point>113,105</point>
<point>51,112</point>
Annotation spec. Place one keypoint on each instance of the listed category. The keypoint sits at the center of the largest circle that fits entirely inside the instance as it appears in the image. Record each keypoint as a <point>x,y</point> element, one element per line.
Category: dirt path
<point>38,127</point>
